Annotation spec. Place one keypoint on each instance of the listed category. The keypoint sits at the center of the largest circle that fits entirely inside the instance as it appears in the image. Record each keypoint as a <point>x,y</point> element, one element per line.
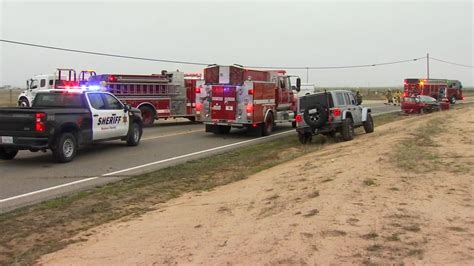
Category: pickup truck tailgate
<point>21,119</point>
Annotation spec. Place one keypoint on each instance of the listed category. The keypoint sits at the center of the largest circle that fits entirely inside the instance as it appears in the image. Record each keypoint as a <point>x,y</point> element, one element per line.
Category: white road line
<point>177,134</point>
<point>195,153</point>
<point>139,166</point>
<point>47,189</point>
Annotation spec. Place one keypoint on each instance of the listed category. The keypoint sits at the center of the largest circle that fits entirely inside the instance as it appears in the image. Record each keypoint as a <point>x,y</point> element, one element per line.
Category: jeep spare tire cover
<point>316,115</point>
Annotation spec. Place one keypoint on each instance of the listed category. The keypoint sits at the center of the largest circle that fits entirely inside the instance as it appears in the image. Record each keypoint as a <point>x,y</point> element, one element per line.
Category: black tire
<point>317,119</point>
<point>134,135</point>
<point>369,124</point>
<point>191,118</point>
<point>305,138</point>
<point>222,130</point>
<point>23,102</point>
<point>66,148</point>
<point>267,127</point>
<point>452,100</point>
<point>148,115</point>
<point>7,154</point>
<point>347,129</point>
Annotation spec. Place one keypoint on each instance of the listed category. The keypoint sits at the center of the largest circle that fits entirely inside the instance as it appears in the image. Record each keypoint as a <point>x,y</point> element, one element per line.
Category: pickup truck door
<point>109,119</point>
<point>118,111</point>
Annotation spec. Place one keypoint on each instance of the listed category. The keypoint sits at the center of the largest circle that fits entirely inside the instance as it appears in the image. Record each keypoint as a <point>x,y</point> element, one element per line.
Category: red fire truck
<point>231,96</point>
<point>441,89</point>
<point>158,96</point>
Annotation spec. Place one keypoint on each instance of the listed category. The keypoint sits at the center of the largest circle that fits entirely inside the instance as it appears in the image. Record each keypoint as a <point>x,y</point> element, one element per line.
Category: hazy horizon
<point>248,33</point>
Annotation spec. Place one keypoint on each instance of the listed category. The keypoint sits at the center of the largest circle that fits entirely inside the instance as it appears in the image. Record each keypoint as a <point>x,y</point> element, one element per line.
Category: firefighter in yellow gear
<point>398,97</point>
<point>389,96</point>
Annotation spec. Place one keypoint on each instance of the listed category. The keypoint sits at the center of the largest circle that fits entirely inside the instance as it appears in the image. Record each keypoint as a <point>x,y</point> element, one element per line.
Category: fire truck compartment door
<point>223,102</point>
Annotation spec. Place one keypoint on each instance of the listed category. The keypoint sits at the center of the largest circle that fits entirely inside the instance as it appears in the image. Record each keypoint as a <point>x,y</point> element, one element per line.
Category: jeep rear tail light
<point>39,122</point>
<point>336,112</point>
<point>299,118</point>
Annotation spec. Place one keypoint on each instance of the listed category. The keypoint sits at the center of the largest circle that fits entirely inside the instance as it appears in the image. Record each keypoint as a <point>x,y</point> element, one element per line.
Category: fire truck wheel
<point>148,115</point>
<point>222,130</point>
<point>192,119</point>
<point>7,154</point>
<point>369,124</point>
<point>347,129</point>
<point>305,137</point>
<point>268,125</point>
<point>23,102</point>
<point>452,100</point>
<point>317,118</point>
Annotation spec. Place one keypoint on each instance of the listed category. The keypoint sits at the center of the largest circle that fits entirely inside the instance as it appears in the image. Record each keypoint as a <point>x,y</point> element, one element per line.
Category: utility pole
<point>307,75</point>
<point>427,66</point>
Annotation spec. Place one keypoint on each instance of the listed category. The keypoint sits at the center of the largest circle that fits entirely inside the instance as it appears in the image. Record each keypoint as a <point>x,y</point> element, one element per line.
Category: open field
<point>8,97</point>
<point>330,206</point>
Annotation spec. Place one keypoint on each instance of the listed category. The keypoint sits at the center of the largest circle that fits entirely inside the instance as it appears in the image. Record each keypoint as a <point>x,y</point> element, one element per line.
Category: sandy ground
<point>345,204</point>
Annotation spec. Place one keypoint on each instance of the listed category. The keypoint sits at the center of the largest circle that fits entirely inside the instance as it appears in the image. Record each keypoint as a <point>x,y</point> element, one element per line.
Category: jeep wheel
<point>148,115</point>
<point>369,124</point>
<point>268,125</point>
<point>65,149</point>
<point>305,138</point>
<point>317,117</point>
<point>134,135</point>
<point>7,154</point>
<point>347,129</point>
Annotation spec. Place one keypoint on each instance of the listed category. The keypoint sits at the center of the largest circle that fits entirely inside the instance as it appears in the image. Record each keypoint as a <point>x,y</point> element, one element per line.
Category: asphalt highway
<point>34,177</point>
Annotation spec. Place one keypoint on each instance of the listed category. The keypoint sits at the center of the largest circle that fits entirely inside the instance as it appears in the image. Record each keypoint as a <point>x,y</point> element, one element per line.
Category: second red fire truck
<point>232,96</point>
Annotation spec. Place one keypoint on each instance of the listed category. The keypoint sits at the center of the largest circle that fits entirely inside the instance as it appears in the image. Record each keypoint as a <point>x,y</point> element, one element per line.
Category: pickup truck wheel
<point>7,154</point>
<point>23,102</point>
<point>369,124</point>
<point>135,135</point>
<point>347,130</point>
<point>304,138</point>
<point>452,100</point>
<point>148,115</point>
<point>66,148</point>
<point>268,125</point>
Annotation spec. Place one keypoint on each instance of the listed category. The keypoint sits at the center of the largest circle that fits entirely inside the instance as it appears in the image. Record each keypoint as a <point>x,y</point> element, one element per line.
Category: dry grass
<point>8,97</point>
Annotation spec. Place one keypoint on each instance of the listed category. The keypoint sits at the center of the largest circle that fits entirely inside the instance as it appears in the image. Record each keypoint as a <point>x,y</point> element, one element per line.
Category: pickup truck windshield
<point>58,100</point>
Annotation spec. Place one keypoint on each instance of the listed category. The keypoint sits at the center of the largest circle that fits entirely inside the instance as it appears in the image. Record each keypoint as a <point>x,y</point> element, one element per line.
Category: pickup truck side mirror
<point>34,87</point>
<point>127,107</point>
<point>298,84</point>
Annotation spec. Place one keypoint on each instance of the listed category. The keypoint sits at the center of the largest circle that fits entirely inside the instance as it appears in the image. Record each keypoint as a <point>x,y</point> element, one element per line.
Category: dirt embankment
<point>365,201</point>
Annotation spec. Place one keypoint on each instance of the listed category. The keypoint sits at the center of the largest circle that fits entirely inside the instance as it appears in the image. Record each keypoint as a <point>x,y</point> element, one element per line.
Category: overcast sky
<point>248,33</point>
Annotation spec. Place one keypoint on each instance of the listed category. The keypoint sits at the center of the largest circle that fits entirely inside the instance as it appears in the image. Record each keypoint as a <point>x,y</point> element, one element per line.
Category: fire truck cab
<point>232,96</point>
<point>61,79</point>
